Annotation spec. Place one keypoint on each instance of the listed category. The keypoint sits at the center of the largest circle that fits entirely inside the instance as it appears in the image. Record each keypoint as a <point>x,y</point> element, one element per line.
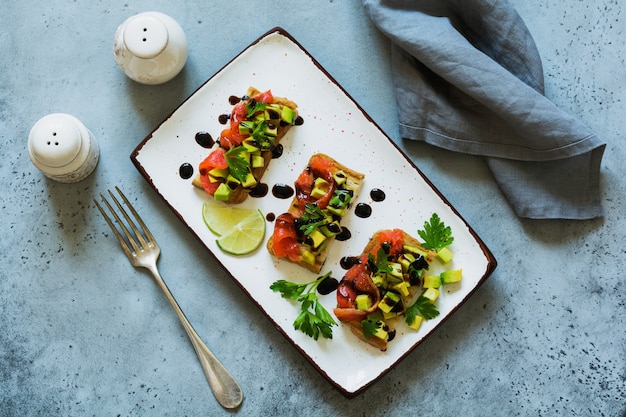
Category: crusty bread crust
<point>239,194</point>
<point>353,181</point>
<point>375,240</point>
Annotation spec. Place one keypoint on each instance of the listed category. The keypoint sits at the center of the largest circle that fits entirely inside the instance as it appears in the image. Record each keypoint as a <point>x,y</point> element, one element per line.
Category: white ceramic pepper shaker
<point>150,47</point>
<point>62,148</point>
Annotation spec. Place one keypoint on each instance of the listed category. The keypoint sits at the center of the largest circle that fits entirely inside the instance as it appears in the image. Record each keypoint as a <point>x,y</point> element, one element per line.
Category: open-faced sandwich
<point>240,157</point>
<point>385,280</point>
<point>323,194</point>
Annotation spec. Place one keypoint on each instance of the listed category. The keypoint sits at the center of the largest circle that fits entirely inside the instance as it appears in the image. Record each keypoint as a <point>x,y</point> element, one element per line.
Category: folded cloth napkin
<point>468,78</point>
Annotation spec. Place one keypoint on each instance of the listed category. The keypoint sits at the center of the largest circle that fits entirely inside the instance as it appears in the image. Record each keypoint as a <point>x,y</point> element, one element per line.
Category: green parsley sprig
<point>370,327</point>
<point>237,164</point>
<point>380,263</point>
<point>312,217</point>
<point>436,234</point>
<point>253,107</point>
<point>423,307</point>
<point>314,320</point>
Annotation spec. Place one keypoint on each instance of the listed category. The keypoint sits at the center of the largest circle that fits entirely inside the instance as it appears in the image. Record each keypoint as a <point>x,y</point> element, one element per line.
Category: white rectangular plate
<point>337,126</point>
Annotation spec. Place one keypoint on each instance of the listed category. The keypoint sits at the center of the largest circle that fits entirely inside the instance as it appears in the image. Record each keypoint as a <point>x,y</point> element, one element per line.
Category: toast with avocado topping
<point>324,192</point>
<point>237,162</point>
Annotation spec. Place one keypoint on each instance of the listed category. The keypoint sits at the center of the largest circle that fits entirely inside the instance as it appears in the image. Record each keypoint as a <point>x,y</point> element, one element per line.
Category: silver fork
<point>144,252</point>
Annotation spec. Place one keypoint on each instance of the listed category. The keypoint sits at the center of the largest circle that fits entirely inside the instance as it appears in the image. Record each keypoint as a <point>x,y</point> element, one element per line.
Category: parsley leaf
<point>253,107</point>
<point>340,199</point>
<point>423,307</point>
<point>369,328</point>
<point>312,217</point>
<point>237,164</point>
<point>436,234</point>
<point>314,320</point>
<point>380,263</point>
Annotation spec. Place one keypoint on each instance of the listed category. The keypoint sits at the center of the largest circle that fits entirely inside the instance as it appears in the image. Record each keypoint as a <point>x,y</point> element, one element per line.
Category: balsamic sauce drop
<point>270,217</point>
<point>282,191</point>
<point>348,262</point>
<point>234,100</point>
<point>185,171</point>
<point>377,194</point>
<point>344,235</point>
<point>327,286</point>
<point>223,118</point>
<point>260,190</point>
<point>204,139</point>
<point>363,210</point>
<point>277,152</point>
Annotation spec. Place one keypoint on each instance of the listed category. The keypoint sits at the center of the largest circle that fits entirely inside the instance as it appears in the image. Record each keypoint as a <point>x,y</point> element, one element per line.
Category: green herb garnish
<point>340,199</point>
<point>313,320</point>
<point>436,234</point>
<point>380,263</point>
<point>253,107</point>
<point>312,218</point>
<point>370,327</point>
<point>423,307</point>
<point>237,164</point>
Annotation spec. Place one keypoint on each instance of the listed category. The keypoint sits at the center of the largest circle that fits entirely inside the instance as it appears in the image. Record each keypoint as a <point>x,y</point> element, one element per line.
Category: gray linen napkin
<point>468,78</point>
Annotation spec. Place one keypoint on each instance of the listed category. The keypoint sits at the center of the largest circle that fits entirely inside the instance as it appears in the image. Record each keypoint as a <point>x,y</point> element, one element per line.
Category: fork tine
<point>136,245</point>
<point>145,229</point>
<point>111,225</point>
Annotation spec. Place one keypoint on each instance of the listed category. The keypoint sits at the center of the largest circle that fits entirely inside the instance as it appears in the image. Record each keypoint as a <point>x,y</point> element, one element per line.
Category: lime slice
<point>245,236</point>
<point>221,219</point>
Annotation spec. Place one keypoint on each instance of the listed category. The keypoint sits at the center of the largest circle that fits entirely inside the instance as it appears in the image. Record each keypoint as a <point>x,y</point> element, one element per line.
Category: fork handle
<point>226,390</point>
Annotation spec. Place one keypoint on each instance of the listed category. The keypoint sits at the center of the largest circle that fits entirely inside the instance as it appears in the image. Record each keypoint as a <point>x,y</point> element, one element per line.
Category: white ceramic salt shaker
<point>62,148</point>
<point>150,47</point>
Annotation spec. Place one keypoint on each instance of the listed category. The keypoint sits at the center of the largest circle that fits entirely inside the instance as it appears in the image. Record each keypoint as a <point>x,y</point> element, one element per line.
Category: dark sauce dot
<point>277,152</point>
<point>204,139</point>
<point>270,217</point>
<point>259,191</point>
<point>299,121</point>
<point>223,118</point>
<point>377,194</point>
<point>333,228</point>
<point>345,234</point>
<point>348,262</point>
<point>283,191</point>
<point>185,171</point>
<point>327,286</point>
<point>234,100</point>
<point>363,210</point>
<point>391,335</point>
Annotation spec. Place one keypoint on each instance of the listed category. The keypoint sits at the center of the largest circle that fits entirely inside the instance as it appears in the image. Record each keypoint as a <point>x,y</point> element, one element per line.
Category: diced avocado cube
<point>402,288</point>
<point>340,177</point>
<point>388,302</point>
<point>222,193</point>
<point>287,115</point>
<point>431,294</point>
<point>454,275</point>
<point>417,321</point>
<point>317,238</point>
<point>250,145</point>
<point>308,257</point>
<point>381,331</point>
<point>219,172</point>
<point>414,250</point>
<point>363,302</point>
<point>336,211</point>
<point>271,130</point>
<point>445,255</point>
<point>332,230</point>
<point>396,269</point>
<point>380,280</point>
<point>393,279</point>
<point>320,188</point>
<point>405,260</point>
<point>257,161</point>
<point>389,315</point>
<point>272,112</point>
<point>246,127</point>
<point>432,281</point>
<point>250,181</point>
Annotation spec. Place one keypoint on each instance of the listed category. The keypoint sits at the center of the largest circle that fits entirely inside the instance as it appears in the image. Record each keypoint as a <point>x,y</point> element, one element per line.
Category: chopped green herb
<point>312,217</point>
<point>237,164</point>
<point>340,199</point>
<point>314,320</point>
<point>369,328</point>
<point>380,263</point>
<point>253,107</point>
<point>436,234</point>
<point>423,307</point>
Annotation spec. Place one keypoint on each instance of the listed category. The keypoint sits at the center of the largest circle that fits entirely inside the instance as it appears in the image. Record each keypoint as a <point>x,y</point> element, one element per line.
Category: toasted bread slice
<point>239,193</point>
<point>352,315</point>
<point>312,256</point>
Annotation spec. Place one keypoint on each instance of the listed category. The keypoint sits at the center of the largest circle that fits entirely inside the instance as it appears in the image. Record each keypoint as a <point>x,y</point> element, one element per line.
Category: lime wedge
<point>221,218</point>
<point>245,236</point>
